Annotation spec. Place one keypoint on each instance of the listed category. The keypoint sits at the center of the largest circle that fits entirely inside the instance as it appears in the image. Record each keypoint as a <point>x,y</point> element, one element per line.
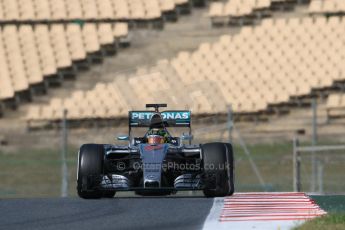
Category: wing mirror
<point>123,138</point>
<point>186,137</point>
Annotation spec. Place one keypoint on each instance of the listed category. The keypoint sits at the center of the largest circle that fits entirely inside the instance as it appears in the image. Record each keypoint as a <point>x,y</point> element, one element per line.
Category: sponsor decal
<point>153,147</point>
<point>165,115</point>
<point>175,115</point>
<point>141,116</point>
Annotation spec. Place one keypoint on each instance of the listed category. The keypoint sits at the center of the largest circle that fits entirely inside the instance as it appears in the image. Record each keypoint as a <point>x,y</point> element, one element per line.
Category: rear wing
<point>171,118</point>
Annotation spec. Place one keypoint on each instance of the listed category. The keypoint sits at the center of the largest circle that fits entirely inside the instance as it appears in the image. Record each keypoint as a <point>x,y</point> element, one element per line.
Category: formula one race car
<point>156,163</point>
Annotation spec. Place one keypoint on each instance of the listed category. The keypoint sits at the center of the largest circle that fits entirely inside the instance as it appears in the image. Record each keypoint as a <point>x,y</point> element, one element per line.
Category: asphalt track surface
<point>117,213</point>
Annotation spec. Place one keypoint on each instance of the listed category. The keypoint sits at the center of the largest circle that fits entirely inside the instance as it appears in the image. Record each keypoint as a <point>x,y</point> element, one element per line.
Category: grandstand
<point>296,59</point>
<point>327,7</point>
<point>234,12</point>
<point>43,42</point>
<point>261,69</point>
<point>66,10</point>
<point>34,56</point>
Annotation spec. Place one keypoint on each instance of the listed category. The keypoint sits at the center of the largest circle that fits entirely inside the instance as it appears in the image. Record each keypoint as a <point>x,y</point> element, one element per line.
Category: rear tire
<point>218,169</point>
<point>90,163</point>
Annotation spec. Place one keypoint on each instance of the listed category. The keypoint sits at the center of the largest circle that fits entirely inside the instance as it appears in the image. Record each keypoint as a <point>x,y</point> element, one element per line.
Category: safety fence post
<point>64,169</point>
<point>296,166</point>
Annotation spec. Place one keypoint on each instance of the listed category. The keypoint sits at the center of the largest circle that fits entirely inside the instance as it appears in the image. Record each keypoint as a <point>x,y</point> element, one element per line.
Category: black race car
<point>156,163</point>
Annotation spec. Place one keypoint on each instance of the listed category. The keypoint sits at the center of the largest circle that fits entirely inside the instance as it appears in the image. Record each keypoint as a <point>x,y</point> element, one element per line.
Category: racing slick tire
<point>218,169</point>
<point>90,163</point>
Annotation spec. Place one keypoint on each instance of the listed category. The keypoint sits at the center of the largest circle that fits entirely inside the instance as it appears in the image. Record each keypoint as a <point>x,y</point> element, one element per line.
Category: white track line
<point>261,211</point>
<point>212,220</point>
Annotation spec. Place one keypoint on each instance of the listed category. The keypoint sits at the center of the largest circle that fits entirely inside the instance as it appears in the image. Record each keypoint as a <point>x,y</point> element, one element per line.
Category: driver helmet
<point>156,134</point>
<point>155,139</point>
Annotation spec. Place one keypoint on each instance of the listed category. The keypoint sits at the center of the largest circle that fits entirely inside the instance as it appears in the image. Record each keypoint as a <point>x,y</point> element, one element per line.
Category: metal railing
<point>318,173</point>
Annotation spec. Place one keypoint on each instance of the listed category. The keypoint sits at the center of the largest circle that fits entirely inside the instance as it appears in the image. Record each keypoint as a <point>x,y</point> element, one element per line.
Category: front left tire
<point>90,169</point>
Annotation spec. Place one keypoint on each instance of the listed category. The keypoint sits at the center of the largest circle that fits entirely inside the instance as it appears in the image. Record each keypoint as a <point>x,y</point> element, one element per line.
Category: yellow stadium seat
<point>26,9</point>
<point>60,47</point>
<point>89,8</point>
<point>14,58</point>
<point>152,9</point>
<point>75,42</point>
<point>42,9</point>
<point>167,5</point>
<point>121,9</point>
<point>105,34</point>
<point>74,9</point>
<point>105,9</point>
<point>90,37</point>
<point>29,53</point>
<point>58,9</point>
<point>45,50</point>
<point>10,10</point>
